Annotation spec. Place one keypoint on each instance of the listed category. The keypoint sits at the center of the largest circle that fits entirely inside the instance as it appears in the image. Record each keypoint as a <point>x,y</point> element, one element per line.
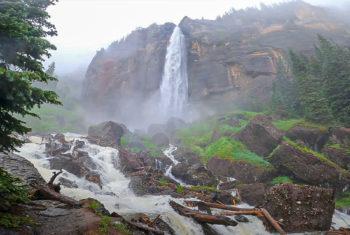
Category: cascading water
<point>118,197</point>
<point>174,86</point>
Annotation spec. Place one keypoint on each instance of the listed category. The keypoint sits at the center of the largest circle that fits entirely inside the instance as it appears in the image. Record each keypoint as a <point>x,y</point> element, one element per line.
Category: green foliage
<point>124,141</point>
<point>12,191</point>
<point>152,148</point>
<point>323,83</point>
<point>163,182</point>
<point>281,180</point>
<point>234,150</point>
<point>24,27</point>
<point>96,206</point>
<point>180,189</point>
<point>11,221</point>
<point>285,99</point>
<point>343,201</point>
<point>122,228</point>
<point>105,223</point>
<point>286,124</point>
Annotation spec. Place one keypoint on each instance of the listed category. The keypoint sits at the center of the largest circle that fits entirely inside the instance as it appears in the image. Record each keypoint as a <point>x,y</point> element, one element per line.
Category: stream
<point>118,197</point>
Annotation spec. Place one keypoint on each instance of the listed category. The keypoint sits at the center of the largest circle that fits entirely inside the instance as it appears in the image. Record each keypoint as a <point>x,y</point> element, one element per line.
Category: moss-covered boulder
<point>260,135</point>
<point>195,174</point>
<point>240,170</point>
<point>305,165</point>
<point>301,208</point>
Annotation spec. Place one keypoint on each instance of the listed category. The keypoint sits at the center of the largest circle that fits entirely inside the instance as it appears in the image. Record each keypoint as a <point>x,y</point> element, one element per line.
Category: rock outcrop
<point>233,59</point>
<point>241,171</point>
<point>260,136</point>
<point>301,208</point>
<point>107,134</point>
<point>195,174</point>
<point>309,167</point>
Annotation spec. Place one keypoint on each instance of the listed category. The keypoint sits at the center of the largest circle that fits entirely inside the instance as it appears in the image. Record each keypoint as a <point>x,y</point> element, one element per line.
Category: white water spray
<point>174,86</point>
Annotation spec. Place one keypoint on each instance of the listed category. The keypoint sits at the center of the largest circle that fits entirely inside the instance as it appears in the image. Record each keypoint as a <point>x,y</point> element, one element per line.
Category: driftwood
<point>259,212</point>
<point>202,217</point>
<point>215,205</point>
<point>143,227</point>
<point>54,176</point>
<point>45,192</point>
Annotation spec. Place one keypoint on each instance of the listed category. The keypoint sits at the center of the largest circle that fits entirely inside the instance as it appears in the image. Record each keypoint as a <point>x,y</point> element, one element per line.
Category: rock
<point>260,136</point>
<point>130,162</point>
<point>253,194</point>
<point>186,156</point>
<point>67,183</point>
<point>107,134</point>
<point>54,212</point>
<point>340,156</point>
<point>242,171</point>
<point>222,197</point>
<point>241,219</point>
<point>195,174</point>
<point>228,185</point>
<point>174,124</point>
<point>155,128</point>
<point>341,136</point>
<point>314,138</point>
<point>94,178</point>
<point>308,167</point>
<point>21,168</point>
<point>301,208</point>
<point>160,139</point>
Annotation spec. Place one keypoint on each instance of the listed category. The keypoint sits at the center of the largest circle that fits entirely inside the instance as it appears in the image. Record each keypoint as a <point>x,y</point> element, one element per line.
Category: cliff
<point>232,61</point>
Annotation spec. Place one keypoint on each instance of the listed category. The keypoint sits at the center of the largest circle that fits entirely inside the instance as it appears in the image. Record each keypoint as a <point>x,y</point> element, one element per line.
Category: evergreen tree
<point>24,26</point>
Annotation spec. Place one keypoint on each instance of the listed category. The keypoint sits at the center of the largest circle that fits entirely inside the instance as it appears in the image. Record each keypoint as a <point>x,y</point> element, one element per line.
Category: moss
<point>122,228</point>
<point>234,150</point>
<point>151,147</point>
<point>287,124</point>
<point>124,141</point>
<point>180,189</point>
<point>163,182</point>
<point>96,207</point>
<point>320,156</point>
<point>343,201</point>
<point>11,221</point>
<point>105,224</point>
<point>204,188</point>
<point>281,180</point>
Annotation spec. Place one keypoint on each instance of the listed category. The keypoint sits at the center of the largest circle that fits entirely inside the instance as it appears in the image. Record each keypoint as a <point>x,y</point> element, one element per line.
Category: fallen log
<point>143,227</point>
<point>215,205</point>
<point>272,221</point>
<point>47,193</point>
<point>202,217</point>
<point>254,212</point>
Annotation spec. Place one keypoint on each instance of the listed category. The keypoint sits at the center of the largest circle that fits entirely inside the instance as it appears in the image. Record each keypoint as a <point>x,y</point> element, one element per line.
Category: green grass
<point>232,149</point>
<point>151,147</point>
<point>105,223</point>
<point>287,124</point>
<point>122,228</point>
<point>343,201</point>
<point>11,221</point>
<point>163,182</point>
<point>281,180</point>
<point>320,156</point>
<point>180,189</point>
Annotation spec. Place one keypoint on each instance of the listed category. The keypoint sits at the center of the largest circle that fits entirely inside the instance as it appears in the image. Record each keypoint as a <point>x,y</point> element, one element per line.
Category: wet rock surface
<point>253,194</point>
<point>242,171</point>
<point>260,135</point>
<point>195,174</point>
<point>301,208</point>
<point>107,134</point>
<point>309,168</point>
<point>21,168</point>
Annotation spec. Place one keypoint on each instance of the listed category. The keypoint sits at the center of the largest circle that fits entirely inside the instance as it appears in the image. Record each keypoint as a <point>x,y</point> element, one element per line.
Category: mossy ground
<point>281,180</point>
<point>198,138</point>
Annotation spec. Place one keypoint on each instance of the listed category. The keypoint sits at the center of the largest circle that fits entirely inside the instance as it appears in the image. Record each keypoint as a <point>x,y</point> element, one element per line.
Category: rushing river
<point>118,197</point>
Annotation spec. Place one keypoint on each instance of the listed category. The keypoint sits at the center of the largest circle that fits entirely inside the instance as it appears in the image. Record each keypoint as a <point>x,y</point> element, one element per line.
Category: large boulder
<point>308,166</point>
<point>107,134</point>
<point>340,156</point>
<point>240,170</point>
<point>195,174</point>
<point>301,208</point>
<point>253,194</point>
<point>21,168</point>
<point>160,139</point>
<point>312,137</point>
<point>260,135</point>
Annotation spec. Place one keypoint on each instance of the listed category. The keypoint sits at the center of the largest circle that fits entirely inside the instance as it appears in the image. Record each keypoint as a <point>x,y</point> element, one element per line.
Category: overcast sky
<point>85,26</point>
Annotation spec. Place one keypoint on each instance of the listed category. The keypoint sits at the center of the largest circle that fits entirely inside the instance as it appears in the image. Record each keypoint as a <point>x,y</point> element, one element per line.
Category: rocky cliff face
<point>231,60</point>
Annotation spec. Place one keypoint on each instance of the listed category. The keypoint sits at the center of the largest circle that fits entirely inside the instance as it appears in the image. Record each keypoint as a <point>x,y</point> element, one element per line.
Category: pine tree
<point>24,26</point>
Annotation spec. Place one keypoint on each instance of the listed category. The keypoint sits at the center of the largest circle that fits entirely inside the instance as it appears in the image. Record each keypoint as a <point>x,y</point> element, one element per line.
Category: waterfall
<point>174,86</point>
